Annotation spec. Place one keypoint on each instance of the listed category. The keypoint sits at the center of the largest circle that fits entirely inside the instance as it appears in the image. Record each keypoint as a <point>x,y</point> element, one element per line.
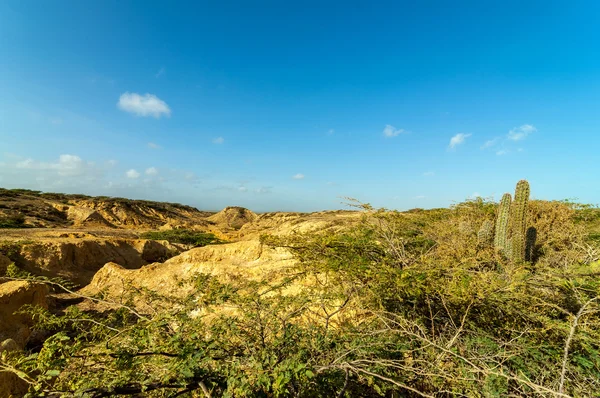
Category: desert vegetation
<point>13,221</point>
<point>183,236</point>
<point>480,299</point>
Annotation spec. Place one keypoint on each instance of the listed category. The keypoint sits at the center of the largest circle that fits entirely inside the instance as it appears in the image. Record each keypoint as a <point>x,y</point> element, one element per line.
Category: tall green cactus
<point>501,238</point>
<point>530,239</point>
<point>511,237</point>
<point>518,222</point>
<point>485,235</point>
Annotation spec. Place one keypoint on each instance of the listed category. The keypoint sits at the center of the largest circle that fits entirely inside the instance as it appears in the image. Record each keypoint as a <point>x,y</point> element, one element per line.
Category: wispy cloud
<point>420,197</point>
<point>458,139</point>
<point>132,173</point>
<point>143,105</point>
<point>151,171</point>
<point>218,140</point>
<point>390,131</point>
<point>56,121</point>
<point>263,190</point>
<point>67,171</point>
<point>67,165</point>
<point>490,143</point>
<point>70,173</point>
<point>429,173</point>
<point>520,133</point>
<point>330,132</point>
<point>160,72</point>
<point>152,145</point>
<point>298,176</point>
<point>503,145</point>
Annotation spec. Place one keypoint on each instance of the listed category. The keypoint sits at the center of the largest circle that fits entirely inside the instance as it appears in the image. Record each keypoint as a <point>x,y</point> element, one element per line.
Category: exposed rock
<point>10,385</point>
<point>8,345</point>
<point>78,260</point>
<point>55,210</point>
<point>233,217</point>
<point>287,223</point>
<point>246,259</point>
<point>4,263</point>
<point>166,227</point>
<point>153,251</point>
<point>15,329</point>
<point>13,295</point>
<point>125,213</point>
<point>82,216</point>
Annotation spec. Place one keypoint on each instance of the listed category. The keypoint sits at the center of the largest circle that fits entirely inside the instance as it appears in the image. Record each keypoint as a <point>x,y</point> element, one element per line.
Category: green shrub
<point>14,221</point>
<point>183,236</point>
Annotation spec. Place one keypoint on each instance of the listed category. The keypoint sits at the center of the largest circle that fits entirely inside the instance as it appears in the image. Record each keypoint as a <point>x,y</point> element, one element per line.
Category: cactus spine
<point>518,222</point>
<point>501,238</point>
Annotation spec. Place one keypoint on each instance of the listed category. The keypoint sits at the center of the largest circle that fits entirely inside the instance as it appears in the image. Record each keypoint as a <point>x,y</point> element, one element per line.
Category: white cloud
<point>67,165</point>
<point>143,105</point>
<point>490,143</point>
<point>66,173</point>
<point>242,189</point>
<point>420,197</point>
<point>458,139</point>
<point>133,174</point>
<point>262,190</point>
<point>160,72</point>
<point>501,152</point>
<point>330,132</point>
<point>391,131</point>
<point>152,145</point>
<point>151,171</point>
<point>519,133</point>
<point>56,120</point>
<point>428,173</point>
<point>218,140</point>
<point>298,176</point>
<point>71,174</point>
<point>112,162</point>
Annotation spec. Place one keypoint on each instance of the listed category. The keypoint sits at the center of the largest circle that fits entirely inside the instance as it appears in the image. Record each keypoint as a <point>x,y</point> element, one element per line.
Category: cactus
<point>512,237</point>
<point>508,249</point>
<point>464,228</point>
<point>485,235</point>
<point>530,239</point>
<point>518,220</point>
<point>501,238</point>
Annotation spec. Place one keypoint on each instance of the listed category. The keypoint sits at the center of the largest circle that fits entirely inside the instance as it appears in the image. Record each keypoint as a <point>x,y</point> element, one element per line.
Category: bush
<point>183,236</point>
<point>15,221</point>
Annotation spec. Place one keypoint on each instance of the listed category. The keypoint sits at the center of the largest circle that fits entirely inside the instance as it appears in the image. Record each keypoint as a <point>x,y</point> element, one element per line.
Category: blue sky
<point>278,105</point>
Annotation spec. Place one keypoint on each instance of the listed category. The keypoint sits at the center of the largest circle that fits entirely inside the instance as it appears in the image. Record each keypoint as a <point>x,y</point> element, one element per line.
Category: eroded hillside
<point>73,236</point>
<point>25,208</point>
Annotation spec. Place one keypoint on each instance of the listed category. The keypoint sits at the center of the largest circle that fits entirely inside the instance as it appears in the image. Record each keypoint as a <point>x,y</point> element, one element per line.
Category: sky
<point>296,105</point>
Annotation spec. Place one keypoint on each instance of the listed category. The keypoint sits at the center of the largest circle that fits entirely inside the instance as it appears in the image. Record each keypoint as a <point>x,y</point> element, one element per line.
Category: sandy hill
<point>233,217</point>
